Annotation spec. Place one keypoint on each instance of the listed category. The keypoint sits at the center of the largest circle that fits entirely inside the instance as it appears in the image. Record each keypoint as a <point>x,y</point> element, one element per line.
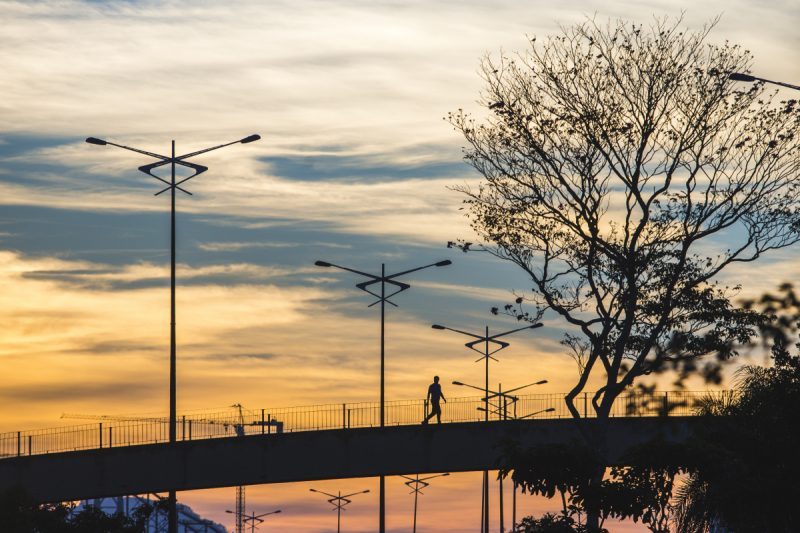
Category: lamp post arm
<point>151,154</point>
<point>354,493</point>
<point>528,385</point>
<point>325,493</point>
<point>538,325</point>
<point>204,150</point>
<point>471,386</point>
<point>412,270</point>
<point>376,278</point>
<point>468,334</point>
<point>782,84</point>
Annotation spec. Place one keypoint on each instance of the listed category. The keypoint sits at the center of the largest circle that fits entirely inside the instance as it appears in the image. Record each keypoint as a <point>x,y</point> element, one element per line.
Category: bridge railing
<point>110,431</point>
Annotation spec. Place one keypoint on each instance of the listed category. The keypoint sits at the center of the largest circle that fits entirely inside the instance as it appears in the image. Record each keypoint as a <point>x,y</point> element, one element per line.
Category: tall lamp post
<point>416,484</point>
<point>486,354</point>
<point>738,76</point>
<point>383,299</point>
<point>172,185</point>
<point>339,502</point>
<point>254,519</point>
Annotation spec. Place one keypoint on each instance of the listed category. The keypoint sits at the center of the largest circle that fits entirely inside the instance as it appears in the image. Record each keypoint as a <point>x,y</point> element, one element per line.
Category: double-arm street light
<point>172,185</point>
<point>738,76</point>
<point>487,352</point>
<point>254,519</point>
<point>339,502</point>
<point>416,484</point>
<point>383,298</point>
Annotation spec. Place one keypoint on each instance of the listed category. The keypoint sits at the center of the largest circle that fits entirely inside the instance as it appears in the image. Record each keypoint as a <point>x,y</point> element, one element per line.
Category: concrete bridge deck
<point>305,456</point>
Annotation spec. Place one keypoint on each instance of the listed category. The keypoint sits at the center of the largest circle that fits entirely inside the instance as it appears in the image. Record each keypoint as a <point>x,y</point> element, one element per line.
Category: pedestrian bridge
<point>130,455</point>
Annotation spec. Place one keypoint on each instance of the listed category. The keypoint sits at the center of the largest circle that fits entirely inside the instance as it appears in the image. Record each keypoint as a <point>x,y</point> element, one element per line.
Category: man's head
<point>436,379</point>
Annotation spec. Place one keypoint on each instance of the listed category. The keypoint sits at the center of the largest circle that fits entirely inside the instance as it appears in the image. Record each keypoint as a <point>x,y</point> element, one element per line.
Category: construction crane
<point>238,428</point>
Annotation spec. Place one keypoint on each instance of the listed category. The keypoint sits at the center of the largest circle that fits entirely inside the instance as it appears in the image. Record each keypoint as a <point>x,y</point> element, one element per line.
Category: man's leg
<point>438,413</point>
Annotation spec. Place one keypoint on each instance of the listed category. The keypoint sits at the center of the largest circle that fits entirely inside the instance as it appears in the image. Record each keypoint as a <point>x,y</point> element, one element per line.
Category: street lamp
<point>738,76</point>
<point>416,484</point>
<point>382,298</point>
<point>253,518</point>
<point>486,354</point>
<point>339,502</point>
<point>172,185</point>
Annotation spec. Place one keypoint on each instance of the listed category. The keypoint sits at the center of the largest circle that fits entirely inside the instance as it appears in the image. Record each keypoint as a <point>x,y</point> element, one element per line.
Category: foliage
<point>640,491</point>
<point>550,523</point>
<point>19,514</point>
<point>746,479</point>
<point>623,171</point>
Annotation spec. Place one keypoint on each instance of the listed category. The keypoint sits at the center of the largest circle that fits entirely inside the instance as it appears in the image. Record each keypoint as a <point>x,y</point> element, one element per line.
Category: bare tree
<point>623,171</point>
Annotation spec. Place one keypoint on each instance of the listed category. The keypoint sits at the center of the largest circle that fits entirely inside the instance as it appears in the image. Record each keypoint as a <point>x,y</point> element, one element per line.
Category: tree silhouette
<point>623,171</point>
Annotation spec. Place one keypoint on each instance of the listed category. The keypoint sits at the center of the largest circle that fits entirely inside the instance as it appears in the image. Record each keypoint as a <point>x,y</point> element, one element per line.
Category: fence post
<point>19,443</point>
<point>344,416</point>
<point>183,427</point>
<point>348,418</point>
<point>190,430</point>
<point>101,434</point>
<point>666,403</point>
<point>110,437</point>
<point>30,444</point>
<point>269,424</point>
<point>262,422</point>
<point>585,406</point>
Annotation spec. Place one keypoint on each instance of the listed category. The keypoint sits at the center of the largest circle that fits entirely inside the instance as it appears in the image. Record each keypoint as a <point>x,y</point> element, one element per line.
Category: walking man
<point>434,393</point>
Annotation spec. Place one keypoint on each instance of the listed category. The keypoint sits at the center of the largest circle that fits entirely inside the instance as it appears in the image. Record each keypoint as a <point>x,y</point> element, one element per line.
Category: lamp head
<point>322,264</point>
<point>549,409</point>
<point>278,511</point>
<point>537,325</point>
<point>444,263</point>
<point>437,326</point>
<point>250,138</point>
<point>95,140</point>
<point>738,76</point>
<point>541,382</point>
<point>457,383</point>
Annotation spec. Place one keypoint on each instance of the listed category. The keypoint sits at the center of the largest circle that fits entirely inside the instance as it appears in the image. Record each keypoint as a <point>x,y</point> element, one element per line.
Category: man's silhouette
<point>434,393</point>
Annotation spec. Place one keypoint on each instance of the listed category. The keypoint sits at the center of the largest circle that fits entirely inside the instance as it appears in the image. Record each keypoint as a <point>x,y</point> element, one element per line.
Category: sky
<point>356,167</point>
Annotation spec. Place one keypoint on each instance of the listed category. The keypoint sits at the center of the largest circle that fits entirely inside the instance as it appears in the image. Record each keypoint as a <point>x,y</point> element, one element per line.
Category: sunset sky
<point>355,167</point>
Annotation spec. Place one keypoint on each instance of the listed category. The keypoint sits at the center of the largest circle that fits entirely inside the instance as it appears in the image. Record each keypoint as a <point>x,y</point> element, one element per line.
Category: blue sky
<point>355,167</point>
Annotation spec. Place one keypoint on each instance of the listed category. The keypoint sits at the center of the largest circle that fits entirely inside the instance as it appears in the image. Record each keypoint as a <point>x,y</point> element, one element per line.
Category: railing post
<point>110,437</point>
<point>585,404</point>
<point>19,443</point>
<point>30,444</point>
<point>190,430</point>
<point>348,418</point>
<point>101,434</point>
<point>183,427</point>
<point>344,416</point>
<point>262,422</point>
<point>269,424</point>
<point>666,403</point>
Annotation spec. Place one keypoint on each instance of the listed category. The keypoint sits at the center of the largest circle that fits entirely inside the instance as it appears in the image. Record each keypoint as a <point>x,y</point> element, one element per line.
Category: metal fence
<point>108,432</point>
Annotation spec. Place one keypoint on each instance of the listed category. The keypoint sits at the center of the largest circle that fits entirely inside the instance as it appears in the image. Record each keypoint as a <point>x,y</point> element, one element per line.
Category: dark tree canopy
<point>623,171</point>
